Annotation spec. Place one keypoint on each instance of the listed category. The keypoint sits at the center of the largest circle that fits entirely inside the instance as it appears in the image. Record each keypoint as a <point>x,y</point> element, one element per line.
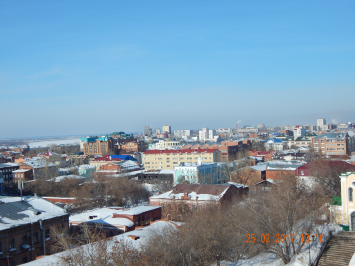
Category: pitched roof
<point>333,164</point>
<point>203,192</point>
<point>180,151</point>
<point>14,212</point>
<point>39,163</point>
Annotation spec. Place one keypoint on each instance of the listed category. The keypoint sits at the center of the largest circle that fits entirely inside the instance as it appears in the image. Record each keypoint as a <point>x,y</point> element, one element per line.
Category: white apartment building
<point>298,131</point>
<point>185,133</point>
<point>206,134</point>
<point>321,122</point>
<point>223,130</point>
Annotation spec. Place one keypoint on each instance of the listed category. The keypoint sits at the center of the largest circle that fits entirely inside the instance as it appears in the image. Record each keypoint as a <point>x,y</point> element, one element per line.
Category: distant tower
<point>167,129</point>
<point>147,131</point>
<point>321,122</point>
<point>236,126</point>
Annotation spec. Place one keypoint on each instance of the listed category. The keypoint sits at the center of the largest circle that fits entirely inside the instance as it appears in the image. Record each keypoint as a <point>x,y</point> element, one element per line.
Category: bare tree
<point>275,221</point>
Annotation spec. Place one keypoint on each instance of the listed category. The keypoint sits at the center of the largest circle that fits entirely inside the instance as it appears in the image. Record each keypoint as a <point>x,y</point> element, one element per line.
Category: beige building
<point>167,159</point>
<point>347,199</point>
<point>167,129</point>
<point>163,144</point>
<point>99,147</point>
<point>331,144</point>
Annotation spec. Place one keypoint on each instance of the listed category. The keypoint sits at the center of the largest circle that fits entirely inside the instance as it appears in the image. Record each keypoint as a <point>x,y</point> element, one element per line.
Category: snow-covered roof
<point>105,216</point>
<point>133,173</point>
<point>39,163</point>
<point>195,192</point>
<point>21,170</point>
<point>237,185</point>
<point>15,212</point>
<point>260,166</point>
<point>61,178</point>
<point>86,166</point>
<point>143,235</point>
<point>272,181</point>
<point>158,171</point>
<point>129,165</point>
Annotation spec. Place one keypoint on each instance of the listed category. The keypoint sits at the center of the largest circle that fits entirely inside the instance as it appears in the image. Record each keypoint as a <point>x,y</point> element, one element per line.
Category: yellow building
<point>167,159</point>
<point>347,199</point>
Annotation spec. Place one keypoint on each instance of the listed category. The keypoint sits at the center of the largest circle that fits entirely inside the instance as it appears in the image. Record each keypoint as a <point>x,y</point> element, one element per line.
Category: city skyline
<point>73,67</point>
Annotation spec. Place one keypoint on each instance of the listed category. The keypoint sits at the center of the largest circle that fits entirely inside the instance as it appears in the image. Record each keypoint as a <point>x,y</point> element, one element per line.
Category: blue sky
<point>80,67</point>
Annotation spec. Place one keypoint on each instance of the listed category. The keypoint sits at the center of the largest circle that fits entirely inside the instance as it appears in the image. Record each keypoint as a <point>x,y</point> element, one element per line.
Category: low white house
<point>275,144</point>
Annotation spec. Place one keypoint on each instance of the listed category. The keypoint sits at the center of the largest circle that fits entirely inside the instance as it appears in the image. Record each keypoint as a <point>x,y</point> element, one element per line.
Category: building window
<point>35,237</point>
<point>12,243</point>
<point>350,192</point>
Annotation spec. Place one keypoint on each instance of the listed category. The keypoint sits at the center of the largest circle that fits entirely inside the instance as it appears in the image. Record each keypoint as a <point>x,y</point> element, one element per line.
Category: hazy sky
<point>78,67</point>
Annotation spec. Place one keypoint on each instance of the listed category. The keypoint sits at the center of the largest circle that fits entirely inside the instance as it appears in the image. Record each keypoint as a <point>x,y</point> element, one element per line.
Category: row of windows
<point>25,240</point>
<point>6,170</point>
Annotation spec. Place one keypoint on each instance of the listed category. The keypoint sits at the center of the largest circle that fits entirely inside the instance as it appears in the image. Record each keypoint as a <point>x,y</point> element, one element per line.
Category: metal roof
<point>11,210</point>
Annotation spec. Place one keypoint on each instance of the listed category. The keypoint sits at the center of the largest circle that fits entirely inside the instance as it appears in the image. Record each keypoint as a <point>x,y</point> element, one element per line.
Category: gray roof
<point>332,136</point>
<point>15,211</point>
<point>41,163</point>
<point>11,210</point>
<point>8,165</point>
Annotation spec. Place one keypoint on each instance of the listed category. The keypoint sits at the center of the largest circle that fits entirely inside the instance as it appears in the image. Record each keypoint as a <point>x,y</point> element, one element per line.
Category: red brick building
<point>265,155</point>
<point>26,228</point>
<point>320,167</point>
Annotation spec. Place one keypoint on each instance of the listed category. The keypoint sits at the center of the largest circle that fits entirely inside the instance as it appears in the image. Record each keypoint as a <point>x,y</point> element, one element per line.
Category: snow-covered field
<point>45,143</point>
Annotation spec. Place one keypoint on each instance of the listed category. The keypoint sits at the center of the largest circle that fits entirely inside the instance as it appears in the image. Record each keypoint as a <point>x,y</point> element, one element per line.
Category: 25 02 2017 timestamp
<point>282,238</point>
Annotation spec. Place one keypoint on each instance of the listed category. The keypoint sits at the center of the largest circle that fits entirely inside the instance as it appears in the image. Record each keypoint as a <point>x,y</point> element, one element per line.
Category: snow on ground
<point>45,143</point>
<point>352,262</point>
<point>312,250</point>
<point>143,233</point>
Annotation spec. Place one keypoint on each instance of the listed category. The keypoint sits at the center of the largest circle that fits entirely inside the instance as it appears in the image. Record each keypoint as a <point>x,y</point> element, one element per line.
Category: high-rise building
<point>100,146</point>
<point>147,131</point>
<point>321,122</point>
<point>298,131</point>
<point>206,134</point>
<point>167,129</point>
